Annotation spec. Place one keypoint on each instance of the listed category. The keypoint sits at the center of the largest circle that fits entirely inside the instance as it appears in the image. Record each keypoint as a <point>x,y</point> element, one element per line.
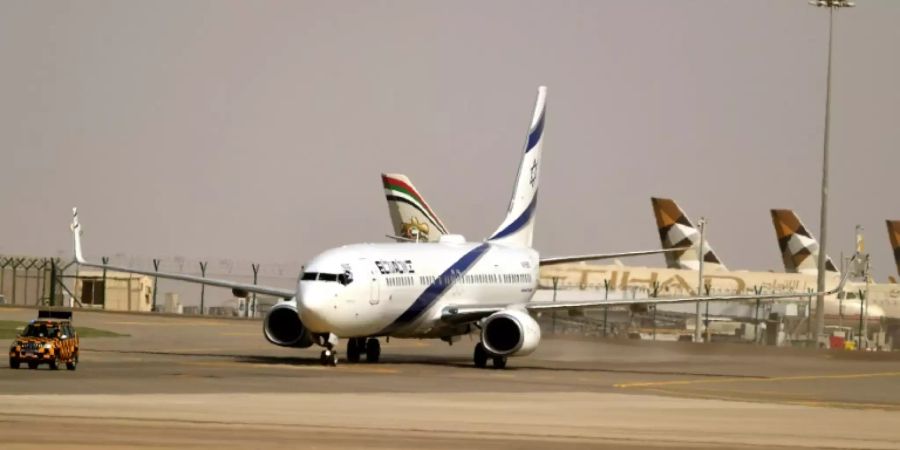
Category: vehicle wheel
<point>480,356</point>
<point>13,363</point>
<point>333,359</point>
<point>71,365</point>
<point>499,362</point>
<point>354,348</point>
<point>54,363</point>
<point>323,357</point>
<point>373,350</point>
<point>32,365</point>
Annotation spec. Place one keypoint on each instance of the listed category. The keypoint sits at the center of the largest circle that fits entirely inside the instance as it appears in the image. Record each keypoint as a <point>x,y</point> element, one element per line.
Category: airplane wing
<point>598,256</point>
<point>239,289</point>
<point>471,313</point>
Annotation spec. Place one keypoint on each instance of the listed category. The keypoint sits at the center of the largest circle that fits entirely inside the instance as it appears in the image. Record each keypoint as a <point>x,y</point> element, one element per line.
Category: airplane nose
<point>316,309</point>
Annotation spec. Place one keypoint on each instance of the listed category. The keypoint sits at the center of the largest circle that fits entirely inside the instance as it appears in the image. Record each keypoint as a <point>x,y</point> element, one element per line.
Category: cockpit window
<point>327,277</point>
<point>343,278</point>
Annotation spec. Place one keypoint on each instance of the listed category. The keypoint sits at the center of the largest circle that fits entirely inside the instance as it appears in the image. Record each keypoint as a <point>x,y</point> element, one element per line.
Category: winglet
<point>76,237</point>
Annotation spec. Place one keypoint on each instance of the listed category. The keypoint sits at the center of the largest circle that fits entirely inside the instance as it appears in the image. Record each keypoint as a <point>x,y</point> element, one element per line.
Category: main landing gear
<point>357,346</point>
<point>481,357</point>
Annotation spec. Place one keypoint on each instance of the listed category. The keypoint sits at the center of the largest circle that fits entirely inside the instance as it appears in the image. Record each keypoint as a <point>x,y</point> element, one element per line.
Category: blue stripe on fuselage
<point>434,291</point>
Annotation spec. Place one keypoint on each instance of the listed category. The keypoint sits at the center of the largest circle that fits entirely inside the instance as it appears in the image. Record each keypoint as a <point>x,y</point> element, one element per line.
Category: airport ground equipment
<point>50,339</point>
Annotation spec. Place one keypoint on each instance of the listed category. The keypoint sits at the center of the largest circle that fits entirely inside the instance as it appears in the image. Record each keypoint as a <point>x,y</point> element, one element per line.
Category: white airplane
<point>440,290</point>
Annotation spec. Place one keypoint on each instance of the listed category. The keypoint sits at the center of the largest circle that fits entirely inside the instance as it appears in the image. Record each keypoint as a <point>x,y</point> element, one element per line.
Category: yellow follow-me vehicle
<point>50,339</point>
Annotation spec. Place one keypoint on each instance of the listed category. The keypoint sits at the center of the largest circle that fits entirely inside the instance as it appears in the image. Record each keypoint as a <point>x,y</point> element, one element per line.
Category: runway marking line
<point>647,384</point>
<point>382,370</point>
<point>797,402</point>
<point>171,324</point>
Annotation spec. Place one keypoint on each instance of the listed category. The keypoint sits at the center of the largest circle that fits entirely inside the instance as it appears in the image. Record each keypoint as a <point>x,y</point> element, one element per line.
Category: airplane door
<point>374,288</point>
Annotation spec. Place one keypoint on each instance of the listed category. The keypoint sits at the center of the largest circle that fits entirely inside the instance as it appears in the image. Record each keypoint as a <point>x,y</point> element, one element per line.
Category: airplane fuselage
<point>400,289</point>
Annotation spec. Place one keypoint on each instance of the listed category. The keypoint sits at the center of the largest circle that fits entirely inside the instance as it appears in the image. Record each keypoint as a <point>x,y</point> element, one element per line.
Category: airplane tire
<point>499,362</point>
<point>353,350</point>
<point>373,350</point>
<point>480,357</point>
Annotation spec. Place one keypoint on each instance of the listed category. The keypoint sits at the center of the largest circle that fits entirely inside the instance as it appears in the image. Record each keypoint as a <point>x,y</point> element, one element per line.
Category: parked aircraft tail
<point>676,230</point>
<point>799,249</point>
<point>411,216</point>
<point>894,235</point>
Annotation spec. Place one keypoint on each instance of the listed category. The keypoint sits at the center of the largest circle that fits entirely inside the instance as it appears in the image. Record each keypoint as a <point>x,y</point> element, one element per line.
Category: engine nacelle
<point>511,332</point>
<point>282,326</point>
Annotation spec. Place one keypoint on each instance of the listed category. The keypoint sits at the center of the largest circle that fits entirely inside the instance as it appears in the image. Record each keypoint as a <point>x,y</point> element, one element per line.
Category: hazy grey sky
<point>258,130</point>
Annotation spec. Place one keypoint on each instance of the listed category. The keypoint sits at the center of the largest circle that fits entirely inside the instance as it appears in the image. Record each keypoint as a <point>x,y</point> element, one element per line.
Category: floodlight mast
<point>832,5</point>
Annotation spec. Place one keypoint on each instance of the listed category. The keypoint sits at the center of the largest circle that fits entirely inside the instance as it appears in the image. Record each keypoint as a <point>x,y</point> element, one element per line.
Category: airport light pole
<point>864,302</point>
<point>702,225</point>
<point>605,308</point>
<point>155,282</point>
<point>555,284</point>
<point>255,267</point>
<point>202,286</point>
<point>832,5</point>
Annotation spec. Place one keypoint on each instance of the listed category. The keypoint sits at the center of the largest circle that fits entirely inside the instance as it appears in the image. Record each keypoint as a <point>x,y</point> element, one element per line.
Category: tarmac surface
<point>216,383</point>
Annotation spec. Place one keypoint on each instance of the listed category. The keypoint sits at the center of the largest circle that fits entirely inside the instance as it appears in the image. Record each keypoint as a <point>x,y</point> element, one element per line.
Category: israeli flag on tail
<point>517,228</point>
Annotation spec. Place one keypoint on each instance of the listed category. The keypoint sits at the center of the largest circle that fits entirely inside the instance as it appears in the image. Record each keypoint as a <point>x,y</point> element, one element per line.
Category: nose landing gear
<point>328,358</point>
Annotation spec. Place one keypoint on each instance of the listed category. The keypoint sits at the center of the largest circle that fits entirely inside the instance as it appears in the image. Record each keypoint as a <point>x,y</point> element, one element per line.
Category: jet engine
<point>283,327</point>
<point>511,332</point>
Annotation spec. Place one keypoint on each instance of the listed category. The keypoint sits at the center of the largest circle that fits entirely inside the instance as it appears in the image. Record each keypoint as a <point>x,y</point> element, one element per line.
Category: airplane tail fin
<point>894,235</point>
<point>411,216</point>
<point>676,230</point>
<point>517,229</point>
<point>799,249</point>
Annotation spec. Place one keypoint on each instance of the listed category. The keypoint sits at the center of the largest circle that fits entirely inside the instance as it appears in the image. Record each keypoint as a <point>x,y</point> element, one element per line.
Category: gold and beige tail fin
<point>676,230</point>
<point>411,216</point>
<point>799,249</point>
<point>894,234</point>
